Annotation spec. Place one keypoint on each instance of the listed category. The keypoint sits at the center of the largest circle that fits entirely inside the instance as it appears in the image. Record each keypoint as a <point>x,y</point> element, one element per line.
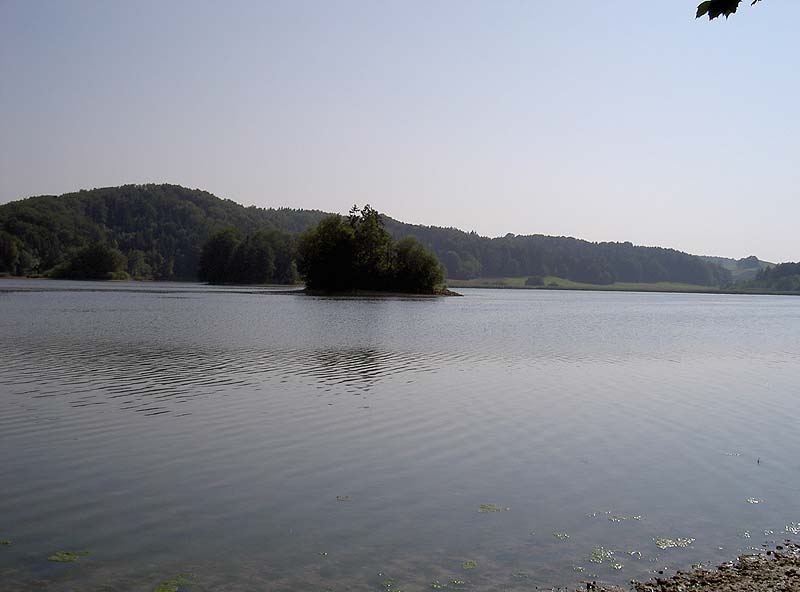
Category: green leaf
<point>703,8</point>
<point>715,8</point>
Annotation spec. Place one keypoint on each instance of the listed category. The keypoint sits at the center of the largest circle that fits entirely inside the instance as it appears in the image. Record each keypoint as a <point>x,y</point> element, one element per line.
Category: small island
<point>357,255</point>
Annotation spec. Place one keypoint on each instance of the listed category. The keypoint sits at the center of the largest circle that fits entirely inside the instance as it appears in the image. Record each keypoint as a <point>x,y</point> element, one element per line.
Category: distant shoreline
<point>441,292</point>
<point>639,290</point>
<point>478,283</point>
<point>517,283</point>
<point>254,288</point>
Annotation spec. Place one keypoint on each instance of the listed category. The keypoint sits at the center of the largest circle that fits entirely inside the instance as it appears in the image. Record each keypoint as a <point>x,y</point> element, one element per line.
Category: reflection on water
<point>548,437</point>
<point>153,380</point>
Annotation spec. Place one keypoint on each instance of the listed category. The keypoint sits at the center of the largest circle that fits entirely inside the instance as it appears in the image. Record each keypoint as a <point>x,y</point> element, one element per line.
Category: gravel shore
<point>777,570</point>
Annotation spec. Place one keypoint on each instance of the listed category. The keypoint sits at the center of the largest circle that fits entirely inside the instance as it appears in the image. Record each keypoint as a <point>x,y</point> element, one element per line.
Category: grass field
<point>555,283</point>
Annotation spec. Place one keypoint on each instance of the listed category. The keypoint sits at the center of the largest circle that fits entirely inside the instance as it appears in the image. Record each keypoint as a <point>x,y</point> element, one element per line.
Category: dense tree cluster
<point>467,255</point>
<point>741,270</point>
<point>264,257</point>
<point>161,230</point>
<point>95,261</point>
<point>358,253</point>
<point>9,254</point>
<point>784,277</point>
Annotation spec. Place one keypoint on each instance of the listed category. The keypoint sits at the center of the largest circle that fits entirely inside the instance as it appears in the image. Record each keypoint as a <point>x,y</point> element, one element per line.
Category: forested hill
<point>467,255</point>
<point>161,229</point>
<point>741,269</point>
<point>784,277</point>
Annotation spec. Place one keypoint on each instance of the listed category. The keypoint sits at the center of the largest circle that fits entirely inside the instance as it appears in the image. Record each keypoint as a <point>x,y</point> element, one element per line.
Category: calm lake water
<point>179,429</point>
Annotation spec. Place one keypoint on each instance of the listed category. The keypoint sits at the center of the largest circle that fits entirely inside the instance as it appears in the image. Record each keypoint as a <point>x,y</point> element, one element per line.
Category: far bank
<point>556,283</point>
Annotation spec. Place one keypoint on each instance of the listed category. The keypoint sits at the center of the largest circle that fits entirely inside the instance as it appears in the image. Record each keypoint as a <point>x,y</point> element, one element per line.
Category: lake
<point>501,441</point>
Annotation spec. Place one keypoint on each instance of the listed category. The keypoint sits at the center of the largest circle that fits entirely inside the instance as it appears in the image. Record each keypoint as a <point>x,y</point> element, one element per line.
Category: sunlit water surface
<point>179,429</point>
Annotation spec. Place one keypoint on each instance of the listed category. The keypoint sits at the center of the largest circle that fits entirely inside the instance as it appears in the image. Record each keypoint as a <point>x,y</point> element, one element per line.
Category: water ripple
<point>179,429</point>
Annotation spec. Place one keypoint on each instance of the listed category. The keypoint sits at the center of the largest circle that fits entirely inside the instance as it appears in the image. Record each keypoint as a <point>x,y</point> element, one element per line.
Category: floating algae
<point>437,585</point>
<point>601,554</point>
<point>745,534</point>
<point>672,543</point>
<point>617,566</point>
<point>754,500</point>
<point>561,536</point>
<point>486,508</point>
<point>343,498</point>
<point>578,568</point>
<point>67,556</point>
<point>469,564</point>
<point>792,528</point>
<point>173,584</point>
<point>615,518</point>
<point>635,554</point>
<point>458,583</point>
<point>599,513</point>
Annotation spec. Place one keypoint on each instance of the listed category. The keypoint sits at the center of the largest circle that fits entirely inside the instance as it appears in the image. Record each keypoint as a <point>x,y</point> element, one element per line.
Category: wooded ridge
<point>160,231</point>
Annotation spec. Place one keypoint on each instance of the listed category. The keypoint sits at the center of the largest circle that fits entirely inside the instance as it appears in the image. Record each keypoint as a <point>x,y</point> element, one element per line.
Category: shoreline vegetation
<point>556,283</point>
<point>437,292</point>
<point>448,288</point>
<point>775,570</point>
<point>356,254</point>
<point>167,232</point>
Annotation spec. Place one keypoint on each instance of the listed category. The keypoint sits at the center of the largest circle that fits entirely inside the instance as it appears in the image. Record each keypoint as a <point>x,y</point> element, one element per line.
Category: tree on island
<point>357,253</point>
<point>95,261</point>
<point>715,8</point>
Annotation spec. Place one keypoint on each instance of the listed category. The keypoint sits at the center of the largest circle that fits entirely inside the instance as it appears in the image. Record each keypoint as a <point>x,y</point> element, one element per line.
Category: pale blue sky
<point>612,120</point>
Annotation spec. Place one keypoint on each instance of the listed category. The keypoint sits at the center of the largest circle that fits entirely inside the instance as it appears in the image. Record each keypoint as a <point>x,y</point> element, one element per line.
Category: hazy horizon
<point>622,122</point>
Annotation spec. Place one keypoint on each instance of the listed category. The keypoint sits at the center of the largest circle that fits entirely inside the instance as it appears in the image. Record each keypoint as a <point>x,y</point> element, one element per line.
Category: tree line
<point>160,231</point>
<point>467,255</point>
<point>784,277</point>
<point>263,257</point>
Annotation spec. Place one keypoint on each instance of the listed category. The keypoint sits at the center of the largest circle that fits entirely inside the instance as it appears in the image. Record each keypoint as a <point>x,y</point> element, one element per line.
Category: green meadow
<point>556,283</point>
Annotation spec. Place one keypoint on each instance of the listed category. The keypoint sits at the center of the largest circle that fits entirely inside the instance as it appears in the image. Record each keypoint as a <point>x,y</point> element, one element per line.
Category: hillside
<point>741,269</point>
<point>784,277</point>
<point>468,255</point>
<point>161,228</point>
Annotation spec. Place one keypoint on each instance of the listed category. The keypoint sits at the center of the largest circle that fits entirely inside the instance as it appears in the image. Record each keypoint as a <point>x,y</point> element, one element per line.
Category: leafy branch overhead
<point>715,8</point>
